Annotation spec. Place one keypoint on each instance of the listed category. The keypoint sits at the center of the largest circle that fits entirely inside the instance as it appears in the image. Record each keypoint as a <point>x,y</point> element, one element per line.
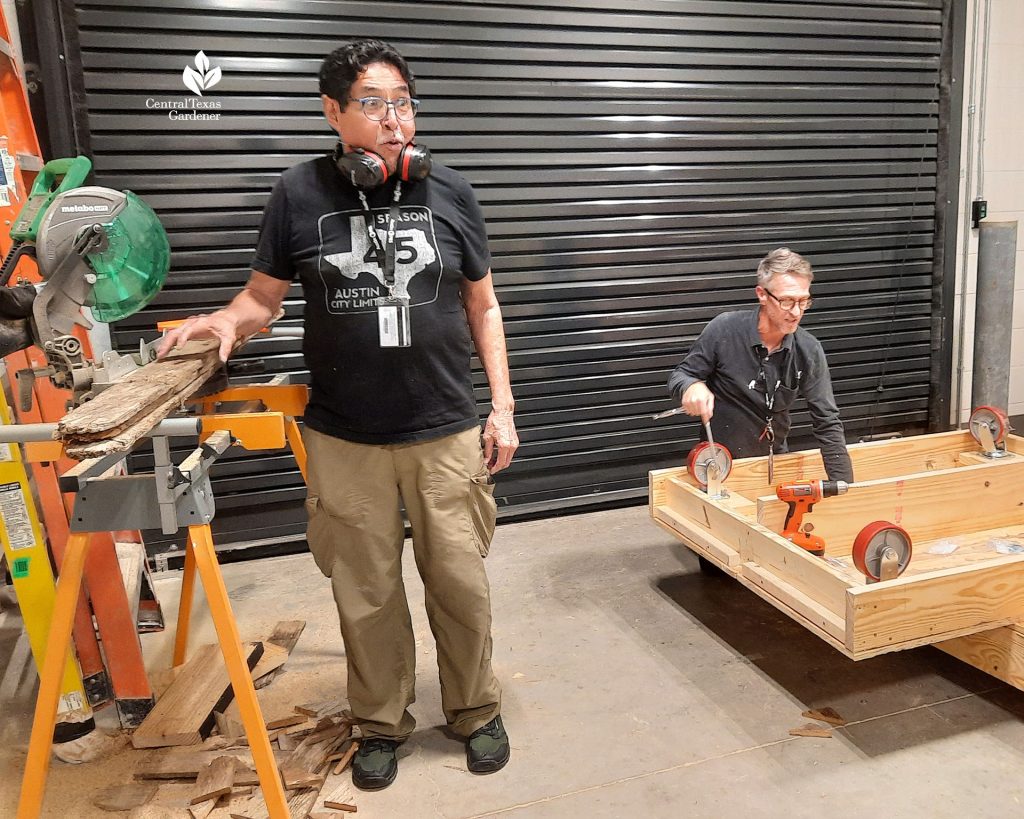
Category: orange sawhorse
<point>254,431</point>
<point>204,559</point>
<point>287,399</point>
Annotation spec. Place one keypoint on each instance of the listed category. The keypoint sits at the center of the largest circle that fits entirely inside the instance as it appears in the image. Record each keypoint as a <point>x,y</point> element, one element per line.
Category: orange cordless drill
<point>801,497</point>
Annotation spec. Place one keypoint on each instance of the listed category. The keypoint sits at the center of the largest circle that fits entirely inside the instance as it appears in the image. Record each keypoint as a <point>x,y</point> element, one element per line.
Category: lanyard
<point>385,252</point>
<point>769,401</point>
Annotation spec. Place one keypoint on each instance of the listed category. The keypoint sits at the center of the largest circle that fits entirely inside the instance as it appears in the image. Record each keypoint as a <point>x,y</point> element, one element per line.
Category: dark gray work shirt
<point>731,359</point>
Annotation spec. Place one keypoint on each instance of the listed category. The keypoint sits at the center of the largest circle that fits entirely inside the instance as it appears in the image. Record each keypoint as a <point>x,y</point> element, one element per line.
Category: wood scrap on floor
<point>228,806</point>
<point>286,722</point>
<point>324,708</point>
<point>277,648</point>
<point>217,742</point>
<point>309,756</point>
<point>825,714</point>
<point>125,797</point>
<point>274,656</point>
<point>340,797</point>
<point>124,412</point>
<point>304,770</point>
<point>177,764</point>
<point>215,780</point>
<point>297,778</point>
<point>346,758</point>
<point>285,635</point>
<point>184,714</point>
<point>286,742</point>
<point>237,796</point>
<point>811,730</point>
<point>308,742</point>
<point>171,801</point>
<point>228,727</point>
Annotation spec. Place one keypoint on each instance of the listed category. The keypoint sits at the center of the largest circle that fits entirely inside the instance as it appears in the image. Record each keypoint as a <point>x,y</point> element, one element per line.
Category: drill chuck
<point>829,489</point>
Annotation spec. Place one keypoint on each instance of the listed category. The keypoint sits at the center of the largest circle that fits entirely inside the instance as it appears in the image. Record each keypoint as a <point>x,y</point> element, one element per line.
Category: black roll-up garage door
<point>634,161</point>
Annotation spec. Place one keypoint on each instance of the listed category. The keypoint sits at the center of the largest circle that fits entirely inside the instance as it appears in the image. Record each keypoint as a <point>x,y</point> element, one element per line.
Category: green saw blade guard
<point>133,267</point>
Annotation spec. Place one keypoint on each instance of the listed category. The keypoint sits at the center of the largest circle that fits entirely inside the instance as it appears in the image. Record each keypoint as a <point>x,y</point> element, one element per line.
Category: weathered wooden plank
<point>134,395</point>
<point>184,714</point>
<point>124,438</point>
<point>323,708</point>
<point>286,722</point>
<point>346,758</point>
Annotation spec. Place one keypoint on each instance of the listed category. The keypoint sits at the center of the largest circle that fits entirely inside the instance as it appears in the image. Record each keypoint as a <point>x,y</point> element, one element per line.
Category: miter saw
<point>95,247</point>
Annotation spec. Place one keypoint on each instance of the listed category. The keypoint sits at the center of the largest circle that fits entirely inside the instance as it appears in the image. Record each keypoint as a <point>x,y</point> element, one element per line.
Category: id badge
<point>393,323</point>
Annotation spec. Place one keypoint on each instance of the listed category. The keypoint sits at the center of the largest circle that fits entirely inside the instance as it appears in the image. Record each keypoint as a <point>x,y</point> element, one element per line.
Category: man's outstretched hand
<point>217,325</point>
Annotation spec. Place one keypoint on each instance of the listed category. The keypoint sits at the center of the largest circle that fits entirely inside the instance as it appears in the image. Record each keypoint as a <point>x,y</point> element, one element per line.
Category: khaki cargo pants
<point>356,535</point>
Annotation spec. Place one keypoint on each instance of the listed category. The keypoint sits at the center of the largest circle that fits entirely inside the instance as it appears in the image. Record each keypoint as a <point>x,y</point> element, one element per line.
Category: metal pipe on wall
<point>979,50</point>
<point>993,314</point>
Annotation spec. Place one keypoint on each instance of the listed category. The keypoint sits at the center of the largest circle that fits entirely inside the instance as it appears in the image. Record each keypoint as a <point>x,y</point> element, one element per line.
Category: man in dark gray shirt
<point>748,367</point>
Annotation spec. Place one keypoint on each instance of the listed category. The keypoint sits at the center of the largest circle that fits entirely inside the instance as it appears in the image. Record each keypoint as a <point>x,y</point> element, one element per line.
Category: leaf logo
<point>202,77</point>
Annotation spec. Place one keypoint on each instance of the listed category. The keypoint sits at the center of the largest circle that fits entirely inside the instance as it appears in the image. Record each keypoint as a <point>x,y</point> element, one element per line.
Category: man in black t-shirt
<point>392,257</point>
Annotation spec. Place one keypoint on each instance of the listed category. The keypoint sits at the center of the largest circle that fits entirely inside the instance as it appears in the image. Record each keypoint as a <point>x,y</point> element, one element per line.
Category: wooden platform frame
<point>939,487</point>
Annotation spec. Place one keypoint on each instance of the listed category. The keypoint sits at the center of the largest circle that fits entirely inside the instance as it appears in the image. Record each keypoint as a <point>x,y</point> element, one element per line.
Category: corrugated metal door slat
<point>634,161</point>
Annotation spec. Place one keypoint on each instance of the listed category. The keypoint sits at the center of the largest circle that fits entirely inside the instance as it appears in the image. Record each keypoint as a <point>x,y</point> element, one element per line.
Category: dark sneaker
<point>375,764</point>
<point>487,749</point>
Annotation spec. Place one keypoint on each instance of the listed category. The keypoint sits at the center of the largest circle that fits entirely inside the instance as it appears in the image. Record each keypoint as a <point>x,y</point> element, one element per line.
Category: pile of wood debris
<point>203,766</point>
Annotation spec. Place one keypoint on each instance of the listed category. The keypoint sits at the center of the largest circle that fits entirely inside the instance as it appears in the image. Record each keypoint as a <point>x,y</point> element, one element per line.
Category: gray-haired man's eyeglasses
<point>376,108</point>
<point>789,304</point>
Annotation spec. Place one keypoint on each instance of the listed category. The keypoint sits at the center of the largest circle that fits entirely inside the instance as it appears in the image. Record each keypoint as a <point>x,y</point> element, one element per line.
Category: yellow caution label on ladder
<point>29,563</point>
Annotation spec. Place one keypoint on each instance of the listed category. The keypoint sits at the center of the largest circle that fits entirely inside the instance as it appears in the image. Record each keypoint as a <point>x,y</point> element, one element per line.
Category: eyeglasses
<point>376,108</point>
<point>789,304</point>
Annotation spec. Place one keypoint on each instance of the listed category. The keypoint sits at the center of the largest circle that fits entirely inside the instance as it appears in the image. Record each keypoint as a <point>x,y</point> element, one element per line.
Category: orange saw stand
<point>171,497</point>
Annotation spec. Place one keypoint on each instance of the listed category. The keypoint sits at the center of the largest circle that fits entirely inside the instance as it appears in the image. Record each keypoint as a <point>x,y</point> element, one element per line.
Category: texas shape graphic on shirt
<point>353,278</point>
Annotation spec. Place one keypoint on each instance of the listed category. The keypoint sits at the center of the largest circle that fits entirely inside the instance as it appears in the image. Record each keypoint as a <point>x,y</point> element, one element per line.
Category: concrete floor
<point>634,685</point>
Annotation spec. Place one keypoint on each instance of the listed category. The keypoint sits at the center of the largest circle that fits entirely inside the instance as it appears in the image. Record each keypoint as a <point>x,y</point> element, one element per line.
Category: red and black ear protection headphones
<point>367,170</point>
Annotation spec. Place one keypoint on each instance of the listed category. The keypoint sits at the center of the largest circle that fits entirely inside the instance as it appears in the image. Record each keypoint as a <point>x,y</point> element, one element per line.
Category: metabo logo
<point>202,77</point>
<point>84,208</point>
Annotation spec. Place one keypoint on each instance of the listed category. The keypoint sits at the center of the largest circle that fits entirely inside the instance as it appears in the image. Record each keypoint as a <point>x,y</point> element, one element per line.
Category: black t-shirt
<point>314,228</point>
